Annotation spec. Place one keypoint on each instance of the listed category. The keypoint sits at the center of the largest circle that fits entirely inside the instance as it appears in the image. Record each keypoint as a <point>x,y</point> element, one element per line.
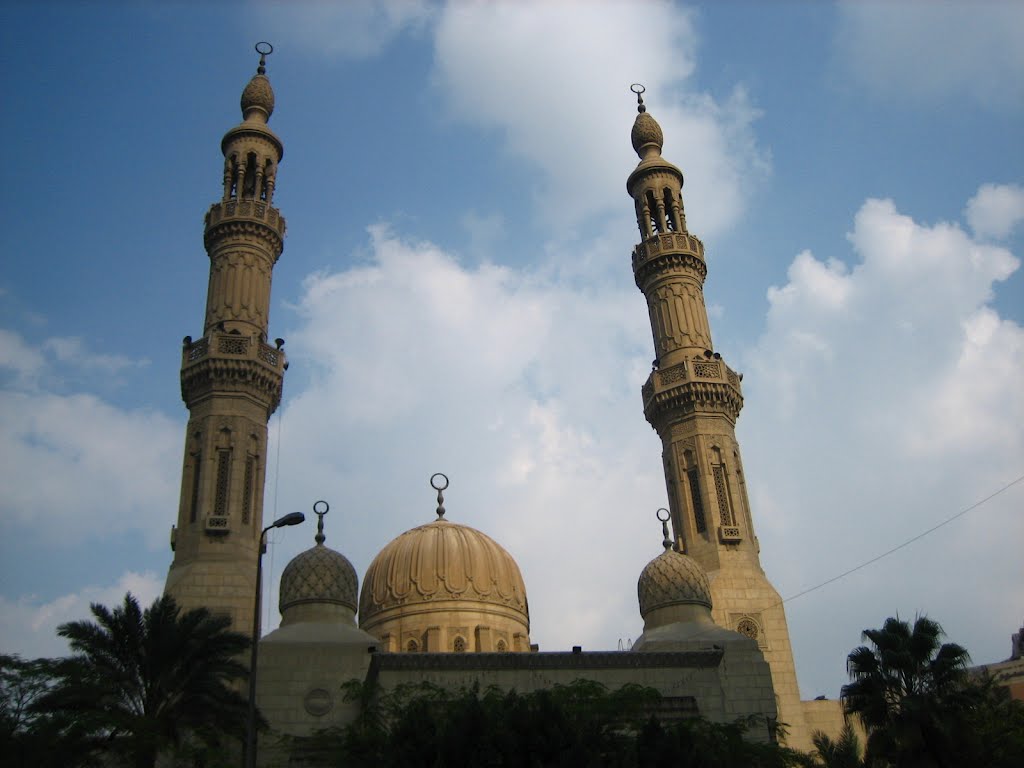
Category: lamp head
<point>292,518</point>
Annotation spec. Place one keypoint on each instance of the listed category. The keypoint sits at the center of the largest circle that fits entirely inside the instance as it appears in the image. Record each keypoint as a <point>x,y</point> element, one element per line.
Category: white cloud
<point>883,398</point>
<point>933,52</point>
<point>28,626</point>
<point>36,366</point>
<point>356,29</point>
<point>17,356</point>
<point>83,465</point>
<point>553,78</point>
<point>995,211</point>
<point>523,390</point>
<point>71,351</point>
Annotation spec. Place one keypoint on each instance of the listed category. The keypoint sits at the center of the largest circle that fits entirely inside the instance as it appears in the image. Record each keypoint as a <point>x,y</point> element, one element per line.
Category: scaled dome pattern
<point>319,575</point>
<point>442,561</point>
<point>672,578</point>
<point>258,94</point>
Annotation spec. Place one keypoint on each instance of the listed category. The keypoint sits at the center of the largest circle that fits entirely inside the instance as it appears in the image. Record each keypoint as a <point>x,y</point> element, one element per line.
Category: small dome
<point>672,578</point>
<point>447,566</point>
<point>646,132</point>
<point>258,95</point>
<point>319,575</point>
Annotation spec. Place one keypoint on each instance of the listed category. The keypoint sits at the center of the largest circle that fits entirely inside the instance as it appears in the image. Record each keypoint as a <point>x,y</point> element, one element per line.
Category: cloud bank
<point>882,398</point>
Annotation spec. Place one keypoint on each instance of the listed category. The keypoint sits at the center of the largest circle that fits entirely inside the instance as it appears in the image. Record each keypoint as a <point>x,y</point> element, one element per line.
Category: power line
<point>906,543</point>
<point>875,559</point>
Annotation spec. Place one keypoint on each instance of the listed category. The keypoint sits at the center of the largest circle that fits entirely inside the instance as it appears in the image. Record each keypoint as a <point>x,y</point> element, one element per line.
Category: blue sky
<point>456,295</point>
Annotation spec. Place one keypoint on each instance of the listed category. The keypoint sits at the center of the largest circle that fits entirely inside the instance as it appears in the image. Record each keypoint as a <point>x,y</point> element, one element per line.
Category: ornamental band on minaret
<point>692,399</point>
<point>231,377</point>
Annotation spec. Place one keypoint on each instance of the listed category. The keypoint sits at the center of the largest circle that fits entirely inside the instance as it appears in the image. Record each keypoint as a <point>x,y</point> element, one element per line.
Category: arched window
<point>722,491</point>
<point>652,212</point>
<point>501,647</point>
<point>669,210</point>
<point>459,646</point>
<point>412,646</point>
<point>696,500</point>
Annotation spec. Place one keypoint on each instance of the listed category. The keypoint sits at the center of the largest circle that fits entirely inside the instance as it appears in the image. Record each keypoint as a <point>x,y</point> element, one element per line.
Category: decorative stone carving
<point>693,396</point>
<point>318,702</point>
<point>253,377</point>
<point>747,626</point>
<point>707,369</point>
<point>673,374</point>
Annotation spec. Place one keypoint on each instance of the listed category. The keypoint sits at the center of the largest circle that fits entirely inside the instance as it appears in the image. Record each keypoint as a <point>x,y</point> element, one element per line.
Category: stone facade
<point>231,378</point>
<point>692,399</point>
<point>443,602</point>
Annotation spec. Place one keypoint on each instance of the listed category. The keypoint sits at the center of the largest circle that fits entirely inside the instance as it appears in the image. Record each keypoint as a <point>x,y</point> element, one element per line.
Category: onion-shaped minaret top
<point>646,135</point>
<point>258,97</point>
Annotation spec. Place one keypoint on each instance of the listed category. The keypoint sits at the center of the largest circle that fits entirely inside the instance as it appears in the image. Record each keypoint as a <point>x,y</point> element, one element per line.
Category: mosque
<point>444,602</point>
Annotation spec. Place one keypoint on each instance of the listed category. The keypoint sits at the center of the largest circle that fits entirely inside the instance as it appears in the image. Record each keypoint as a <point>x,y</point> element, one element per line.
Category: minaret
<point>692,398</point>
<point>231,377</point>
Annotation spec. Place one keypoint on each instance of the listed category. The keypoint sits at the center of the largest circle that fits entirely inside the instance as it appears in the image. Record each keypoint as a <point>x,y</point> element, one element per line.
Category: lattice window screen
<point>250,471</point>
<point>220,502</point>
<point>698,505</point>
<point>723,495</point>
<point>197,463</point>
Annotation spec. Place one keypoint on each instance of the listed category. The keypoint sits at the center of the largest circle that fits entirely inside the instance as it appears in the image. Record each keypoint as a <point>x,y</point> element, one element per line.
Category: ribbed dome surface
<point>646,131</point>
<point>442,561</point>
<point>319,575</point>
<point>672,578</point>
<point>259,94</point>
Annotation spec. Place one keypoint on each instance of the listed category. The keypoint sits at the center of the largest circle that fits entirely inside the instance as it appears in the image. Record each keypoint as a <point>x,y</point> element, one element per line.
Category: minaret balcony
<point>241,216</point>
<point>666,243</point>
<point>232,345</point>
<point>230,362</point>
<point>699,385</point>
<point>248,209</point>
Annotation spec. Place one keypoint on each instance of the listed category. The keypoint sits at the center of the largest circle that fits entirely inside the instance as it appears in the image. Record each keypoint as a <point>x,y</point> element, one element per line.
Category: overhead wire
<point>888,552</point>
<point>906,543</point>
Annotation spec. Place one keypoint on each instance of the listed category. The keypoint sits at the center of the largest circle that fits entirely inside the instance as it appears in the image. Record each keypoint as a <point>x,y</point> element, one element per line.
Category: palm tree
<point>843,752</point>
<point>907,690</point>
<point>141,681</point>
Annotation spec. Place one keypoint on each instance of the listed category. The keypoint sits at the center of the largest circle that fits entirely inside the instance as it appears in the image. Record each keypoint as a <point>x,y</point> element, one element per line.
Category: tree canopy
<point>920,706</point>
<point>140,682</point>
<point>580,724</point>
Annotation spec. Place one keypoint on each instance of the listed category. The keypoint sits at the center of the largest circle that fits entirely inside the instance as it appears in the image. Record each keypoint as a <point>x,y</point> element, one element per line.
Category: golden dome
<point>439,568</point>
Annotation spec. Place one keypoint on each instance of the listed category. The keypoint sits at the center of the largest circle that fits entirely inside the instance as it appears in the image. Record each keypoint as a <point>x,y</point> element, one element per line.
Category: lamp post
<point>292,518</point>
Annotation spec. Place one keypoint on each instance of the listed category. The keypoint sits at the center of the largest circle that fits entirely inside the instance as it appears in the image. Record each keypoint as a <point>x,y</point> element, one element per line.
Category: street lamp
<point>292,518</point>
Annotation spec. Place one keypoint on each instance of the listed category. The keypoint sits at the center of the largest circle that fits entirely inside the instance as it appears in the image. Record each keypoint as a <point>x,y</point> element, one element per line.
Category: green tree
<point>909,692</point>
<point>29,737</point>
<point>842,752</point>
<point>140,682</point>
<point>580,724</point>
<point>991,727</point>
